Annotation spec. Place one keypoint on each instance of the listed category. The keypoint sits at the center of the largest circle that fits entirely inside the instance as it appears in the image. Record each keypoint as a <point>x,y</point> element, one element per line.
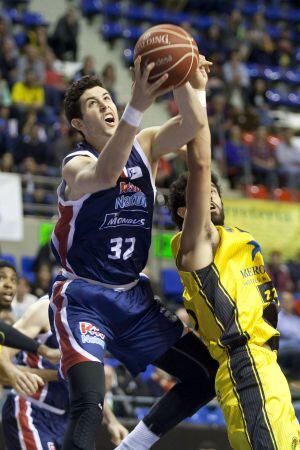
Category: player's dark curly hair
<point>74,92</point>
<point>176,197</point>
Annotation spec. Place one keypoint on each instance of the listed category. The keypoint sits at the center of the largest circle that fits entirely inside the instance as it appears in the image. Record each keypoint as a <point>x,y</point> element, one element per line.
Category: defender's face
<point>216,207</point>
<point>8,286</point>
<point>99,113</point>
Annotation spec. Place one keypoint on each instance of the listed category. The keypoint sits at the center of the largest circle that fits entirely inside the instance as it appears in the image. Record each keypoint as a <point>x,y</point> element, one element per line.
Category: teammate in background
<point>102,239</point>
<point>232,302</point>
<point>10,374</point>
<point>40,420</point>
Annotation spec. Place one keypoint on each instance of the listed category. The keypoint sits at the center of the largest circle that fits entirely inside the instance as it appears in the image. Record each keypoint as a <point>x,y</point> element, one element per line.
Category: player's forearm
<point>10,337</point>
<point>115,154</point>
<point>46,374</point>
<point>188,105</point>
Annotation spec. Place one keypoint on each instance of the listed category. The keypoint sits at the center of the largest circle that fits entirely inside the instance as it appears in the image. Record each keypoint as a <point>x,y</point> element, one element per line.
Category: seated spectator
<point>65,144</point>
<point>279,272</point>
<point>288,159</point>
<point>160,382</point>
<point>294,268</point>
<point>65,36</point>
<point>43,279</point>
<point>22,299</point>
<point>28,94</point>
<point>37,36</point>
<point>31,60</point>
<point>7,163</point>
<point>258,100</point>
<point>109,79</point>
<point>8,131</point>
<point>289,328</point>
<point>237,159</point>
<point>121,408</point>
<point>237,80</point>
<point>5,99</point>
<point>234,32</point>
<point>263,159</point>
<point>53,77</point>
<point>33,142</point>
<point>45,256</point>
<point>88,68</point>
<point>9,61</point>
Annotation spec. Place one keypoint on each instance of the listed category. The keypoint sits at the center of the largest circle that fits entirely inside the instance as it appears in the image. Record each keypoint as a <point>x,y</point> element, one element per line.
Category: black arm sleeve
<point>10,337</point>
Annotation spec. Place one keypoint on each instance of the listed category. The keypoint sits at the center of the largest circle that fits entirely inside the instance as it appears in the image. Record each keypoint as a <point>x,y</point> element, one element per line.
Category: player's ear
<point>181,211</point>
<point>77,124</point>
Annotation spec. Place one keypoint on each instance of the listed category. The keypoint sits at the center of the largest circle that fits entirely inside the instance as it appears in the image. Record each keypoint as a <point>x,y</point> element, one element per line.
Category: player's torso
<point>106,235</point>
<point>234,300</point>
<point>54,393</point>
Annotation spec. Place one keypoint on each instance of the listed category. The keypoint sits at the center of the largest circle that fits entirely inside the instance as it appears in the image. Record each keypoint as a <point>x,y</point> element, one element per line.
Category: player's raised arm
<point>179,130</point>
<point>195,248</point>
<point>114,141</point>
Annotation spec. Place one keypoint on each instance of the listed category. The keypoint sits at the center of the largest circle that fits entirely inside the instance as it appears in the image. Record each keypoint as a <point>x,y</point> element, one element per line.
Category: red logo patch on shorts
<point>92,330</point>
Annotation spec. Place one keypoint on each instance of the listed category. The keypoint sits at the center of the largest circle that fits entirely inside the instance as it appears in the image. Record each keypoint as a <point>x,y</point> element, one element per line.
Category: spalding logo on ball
<point>172,49</point>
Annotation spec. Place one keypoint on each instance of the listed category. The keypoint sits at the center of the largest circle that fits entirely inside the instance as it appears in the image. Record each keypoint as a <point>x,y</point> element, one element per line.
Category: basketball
<point>172,49</point>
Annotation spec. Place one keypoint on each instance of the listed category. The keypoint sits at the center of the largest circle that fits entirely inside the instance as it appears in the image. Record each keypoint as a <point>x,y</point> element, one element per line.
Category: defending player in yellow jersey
<point>233,304</point>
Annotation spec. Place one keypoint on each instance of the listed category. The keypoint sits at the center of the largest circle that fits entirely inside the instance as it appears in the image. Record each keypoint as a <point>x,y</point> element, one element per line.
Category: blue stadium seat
<point>9,258</point>
<point>112,9</point>
<point>132,33</point>
<point>111,30</point>
<point>91,7</point>
<point>27,272</point>
<point>33,19</point>
<point>171,285</point>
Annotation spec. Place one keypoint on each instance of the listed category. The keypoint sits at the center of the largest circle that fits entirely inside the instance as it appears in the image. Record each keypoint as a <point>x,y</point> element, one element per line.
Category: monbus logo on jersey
<point>90,334</point>
<point>128,218</point>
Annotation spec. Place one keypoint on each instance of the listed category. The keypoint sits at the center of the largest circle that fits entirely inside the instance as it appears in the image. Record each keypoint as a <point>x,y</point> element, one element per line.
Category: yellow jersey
<point>232,301</point>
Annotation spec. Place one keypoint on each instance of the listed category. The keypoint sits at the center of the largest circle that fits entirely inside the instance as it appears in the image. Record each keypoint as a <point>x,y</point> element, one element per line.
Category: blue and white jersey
<point>105,236</point>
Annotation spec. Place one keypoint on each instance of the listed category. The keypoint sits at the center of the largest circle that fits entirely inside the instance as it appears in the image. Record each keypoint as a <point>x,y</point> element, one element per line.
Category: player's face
<point>8,286</point>
<point>216,207</point>
<point>99,114</point>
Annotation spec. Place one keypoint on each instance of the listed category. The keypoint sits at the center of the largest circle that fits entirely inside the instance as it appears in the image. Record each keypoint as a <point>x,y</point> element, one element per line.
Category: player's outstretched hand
<point>117,432</point>
<point>51,354</point>
<point>200,77</point>
<point>143,92</point>
<point>24,382</point>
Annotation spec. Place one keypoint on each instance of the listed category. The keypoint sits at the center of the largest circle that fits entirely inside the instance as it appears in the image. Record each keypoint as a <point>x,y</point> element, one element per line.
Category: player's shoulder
<point>175,243</point>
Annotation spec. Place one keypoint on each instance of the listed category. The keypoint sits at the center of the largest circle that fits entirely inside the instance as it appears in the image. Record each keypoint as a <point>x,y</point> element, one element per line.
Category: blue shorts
<point>88,318</point>
<point>27,426</point>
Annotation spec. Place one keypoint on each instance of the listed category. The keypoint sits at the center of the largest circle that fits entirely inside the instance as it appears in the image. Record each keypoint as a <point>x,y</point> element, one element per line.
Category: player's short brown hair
<point>74,92</point>
<point>176,197</point>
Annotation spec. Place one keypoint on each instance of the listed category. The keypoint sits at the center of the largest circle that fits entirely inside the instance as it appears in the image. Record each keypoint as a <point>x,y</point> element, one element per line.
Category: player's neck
<point>97,143</point>
<point>215,238</point>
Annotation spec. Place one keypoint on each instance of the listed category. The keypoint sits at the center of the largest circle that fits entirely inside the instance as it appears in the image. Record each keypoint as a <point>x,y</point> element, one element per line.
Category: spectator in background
<point>33,142</point>
<point>88,68</point>
<point>220,123</point>
<point>289,328</point>
<point>43,279</point>
<point>122,408</point>
<point>263,159</point>
<point>31,60</point>
<point>263,51</point>
<point>237,80</point>
<point>159,382</point>
<point>64,38</point>
<point>27,94</point>
<point>288,159</point>
<point>22,299</point>
<point>64,145</point>
<point>294,269</point>
<point>7,163</point>
<point>234,32</point>
<point>237,159</point>
<point>38,37</point>
<point>8,130</point>
<point>279,272</point>
<point>5,99</point>
<point>109,79</point>
<point>9,61</point>
<point>258,100</point>
<point>53,78</point>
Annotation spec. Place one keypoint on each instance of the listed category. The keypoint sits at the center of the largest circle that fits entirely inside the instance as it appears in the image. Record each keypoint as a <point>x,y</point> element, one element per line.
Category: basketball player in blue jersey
<point>39,419</point>
<point>102,238</point>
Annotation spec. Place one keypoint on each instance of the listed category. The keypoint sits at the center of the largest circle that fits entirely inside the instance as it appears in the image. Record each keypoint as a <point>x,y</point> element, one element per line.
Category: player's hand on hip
<point>26,383</point>
<point>200,77</point>
<point>143,92</point>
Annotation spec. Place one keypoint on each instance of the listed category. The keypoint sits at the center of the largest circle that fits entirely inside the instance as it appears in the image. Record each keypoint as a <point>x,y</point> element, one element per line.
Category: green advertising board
<point>45,231</point>
<point>162,245</point>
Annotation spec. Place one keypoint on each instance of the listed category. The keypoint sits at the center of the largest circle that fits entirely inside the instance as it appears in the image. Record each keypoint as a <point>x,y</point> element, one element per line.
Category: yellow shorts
<point>256,401</point>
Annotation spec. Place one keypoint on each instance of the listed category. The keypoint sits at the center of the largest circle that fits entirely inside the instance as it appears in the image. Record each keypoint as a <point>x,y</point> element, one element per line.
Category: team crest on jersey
<point>90,334</point>
<point>128,187</point>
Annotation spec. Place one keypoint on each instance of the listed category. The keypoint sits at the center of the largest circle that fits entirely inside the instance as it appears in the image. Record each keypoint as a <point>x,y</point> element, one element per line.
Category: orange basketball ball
<point>172,49</point>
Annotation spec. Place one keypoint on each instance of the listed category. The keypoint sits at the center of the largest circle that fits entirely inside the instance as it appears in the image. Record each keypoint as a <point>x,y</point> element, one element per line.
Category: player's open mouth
<point>109,119</point>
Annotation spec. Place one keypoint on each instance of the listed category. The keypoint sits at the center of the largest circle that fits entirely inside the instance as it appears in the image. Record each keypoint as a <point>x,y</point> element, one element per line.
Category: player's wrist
<point>201,95</point>
<point>132,116</point>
